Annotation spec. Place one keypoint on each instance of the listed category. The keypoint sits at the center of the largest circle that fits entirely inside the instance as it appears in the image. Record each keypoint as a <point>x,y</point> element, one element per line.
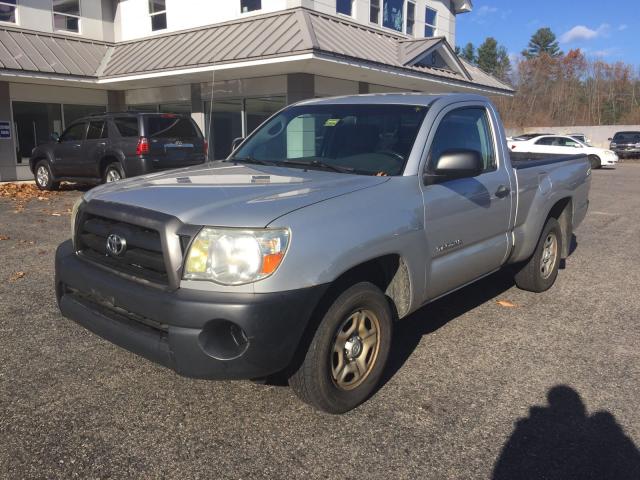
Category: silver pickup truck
<point>296,255</point>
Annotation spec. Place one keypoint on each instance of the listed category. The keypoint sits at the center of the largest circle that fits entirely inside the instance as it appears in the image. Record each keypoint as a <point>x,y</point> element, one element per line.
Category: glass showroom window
<point>250,5</point>
<point>393,14</point>
<point>66,15</point>
<point>8,11</point>
<point>374,12</point>
<point>158,13</point>
<point>430,22</point>
<point>411,17</point>
<point>345,7</point>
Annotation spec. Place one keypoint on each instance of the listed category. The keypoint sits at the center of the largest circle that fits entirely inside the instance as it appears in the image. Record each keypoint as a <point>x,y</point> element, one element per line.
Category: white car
<point>565,145</point>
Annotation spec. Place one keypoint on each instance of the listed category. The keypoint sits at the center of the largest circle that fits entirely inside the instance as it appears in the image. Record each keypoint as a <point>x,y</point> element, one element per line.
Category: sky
<point>609,30</point>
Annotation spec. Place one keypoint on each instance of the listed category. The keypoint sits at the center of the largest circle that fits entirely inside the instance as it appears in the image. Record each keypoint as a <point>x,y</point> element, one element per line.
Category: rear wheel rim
<point>113,175</point>
<point>42,176</point>
<point>549,255</point>
<point>355,349</point>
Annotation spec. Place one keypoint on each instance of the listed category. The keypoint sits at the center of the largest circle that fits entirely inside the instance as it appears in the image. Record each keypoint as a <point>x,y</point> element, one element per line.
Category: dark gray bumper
<point>185,330</point>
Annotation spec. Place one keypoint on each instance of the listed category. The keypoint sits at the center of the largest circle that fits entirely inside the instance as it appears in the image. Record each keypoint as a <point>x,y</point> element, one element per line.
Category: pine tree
<point>543,42</point>
<point>488,55</point>
<point>468,53</point>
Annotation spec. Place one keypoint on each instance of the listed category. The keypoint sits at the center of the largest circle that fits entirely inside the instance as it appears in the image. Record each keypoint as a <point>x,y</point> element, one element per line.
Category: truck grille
<point>142,256</point>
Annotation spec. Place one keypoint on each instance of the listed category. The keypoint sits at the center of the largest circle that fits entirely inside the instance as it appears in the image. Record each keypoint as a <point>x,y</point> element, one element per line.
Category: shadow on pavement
<point>561,441</point>
<point>408,331</point>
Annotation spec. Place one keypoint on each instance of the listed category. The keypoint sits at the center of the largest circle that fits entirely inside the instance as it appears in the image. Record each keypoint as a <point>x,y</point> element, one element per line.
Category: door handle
<point>502,191</point>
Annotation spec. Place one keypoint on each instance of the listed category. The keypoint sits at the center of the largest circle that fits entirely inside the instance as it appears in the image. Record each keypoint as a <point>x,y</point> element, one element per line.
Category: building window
<point>66,15</point>
<point>374,12</point>
<point>345,7</point>
<point>411,17</point>
<point>158,13</point>
<point>250,5</point>
<point>430,22</point>
<point>392,14</point>
<point>8,11</point>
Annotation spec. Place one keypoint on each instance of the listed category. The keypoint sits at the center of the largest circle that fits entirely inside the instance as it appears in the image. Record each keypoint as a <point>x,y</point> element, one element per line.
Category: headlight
<point>74,215</point>
<point>613,145</point>
<point>231,256</point>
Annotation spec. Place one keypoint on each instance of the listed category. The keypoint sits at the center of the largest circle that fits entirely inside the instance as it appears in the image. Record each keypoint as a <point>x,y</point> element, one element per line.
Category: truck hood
<point>226,195</point>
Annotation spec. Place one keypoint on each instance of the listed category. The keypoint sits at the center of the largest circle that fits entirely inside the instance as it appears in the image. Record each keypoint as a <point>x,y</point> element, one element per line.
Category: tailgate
<point>174,141</point>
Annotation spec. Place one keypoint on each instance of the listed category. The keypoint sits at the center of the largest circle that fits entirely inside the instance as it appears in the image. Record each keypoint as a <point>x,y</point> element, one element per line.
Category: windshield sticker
<point>332,122</point>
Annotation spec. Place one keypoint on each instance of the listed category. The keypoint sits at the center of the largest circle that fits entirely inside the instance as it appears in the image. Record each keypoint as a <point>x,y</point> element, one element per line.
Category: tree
<point>494,59</point>
<point>503,71</point>
<point>468,53</point>
<point>542,42</point>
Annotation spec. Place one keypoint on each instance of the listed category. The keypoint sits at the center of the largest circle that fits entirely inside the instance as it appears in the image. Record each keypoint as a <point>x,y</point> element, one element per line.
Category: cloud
<point>580,32</point>
<point>623,27</point>
<point>607,52</point>
<point>486,10</point>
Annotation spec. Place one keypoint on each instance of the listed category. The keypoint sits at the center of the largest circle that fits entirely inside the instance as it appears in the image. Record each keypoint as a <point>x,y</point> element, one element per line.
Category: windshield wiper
<point>319,164</point>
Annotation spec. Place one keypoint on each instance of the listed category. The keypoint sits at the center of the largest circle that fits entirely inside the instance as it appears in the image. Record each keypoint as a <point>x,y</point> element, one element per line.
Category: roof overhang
<point>462,6</point>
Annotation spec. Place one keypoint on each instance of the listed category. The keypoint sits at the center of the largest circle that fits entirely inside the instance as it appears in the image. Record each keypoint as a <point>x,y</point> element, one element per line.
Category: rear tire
<point>348,352</point>
<point>595,162</point>
<point>113,173</point>
<point>540,272</point>
<point>44,176</point>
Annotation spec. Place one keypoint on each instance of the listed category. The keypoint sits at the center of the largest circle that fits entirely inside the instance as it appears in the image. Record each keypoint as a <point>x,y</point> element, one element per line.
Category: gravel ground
<point>546,388</point>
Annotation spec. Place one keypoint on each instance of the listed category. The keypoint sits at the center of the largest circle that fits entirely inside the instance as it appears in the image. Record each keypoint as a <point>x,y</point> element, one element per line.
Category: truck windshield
<point>360,139</point>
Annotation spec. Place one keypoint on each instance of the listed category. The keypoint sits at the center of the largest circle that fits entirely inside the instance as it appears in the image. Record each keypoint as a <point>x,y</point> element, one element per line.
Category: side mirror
<point>454,164</point>
<point>236,142</point>
<point>609,138</point>
<point>55,137</point>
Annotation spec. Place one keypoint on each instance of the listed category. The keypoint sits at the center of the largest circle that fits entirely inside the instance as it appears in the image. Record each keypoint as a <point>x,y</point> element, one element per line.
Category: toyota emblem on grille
<point>116,245</point>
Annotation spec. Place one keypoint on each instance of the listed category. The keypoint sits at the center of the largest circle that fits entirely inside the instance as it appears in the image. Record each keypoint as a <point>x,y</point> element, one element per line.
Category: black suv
<point>626,144</point>
<point>112,146</point>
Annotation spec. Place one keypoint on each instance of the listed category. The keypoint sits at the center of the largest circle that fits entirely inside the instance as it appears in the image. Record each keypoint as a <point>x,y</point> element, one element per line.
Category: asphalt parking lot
<point>490,382</point>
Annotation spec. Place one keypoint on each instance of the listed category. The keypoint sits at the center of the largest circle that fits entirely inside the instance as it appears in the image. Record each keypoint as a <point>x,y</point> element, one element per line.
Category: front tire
<point>541,271</point>
<point>44,176</point>
<point>348,352</point>
<point>595,162</point>
<point>113,173</point>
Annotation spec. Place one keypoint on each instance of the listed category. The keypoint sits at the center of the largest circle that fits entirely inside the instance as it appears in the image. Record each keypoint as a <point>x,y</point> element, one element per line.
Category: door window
<point>127,126</point>
<point>96,130</point>
<point>468,129</point>
<point>74,133</point>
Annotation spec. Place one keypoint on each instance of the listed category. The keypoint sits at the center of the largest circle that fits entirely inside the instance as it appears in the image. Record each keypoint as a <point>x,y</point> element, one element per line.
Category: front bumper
<point>185,330</point>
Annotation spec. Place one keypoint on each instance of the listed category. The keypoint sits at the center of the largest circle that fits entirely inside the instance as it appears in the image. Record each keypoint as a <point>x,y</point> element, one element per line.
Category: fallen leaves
<point>16,276</point>
<point>5,237</point>
<point>506,304</point>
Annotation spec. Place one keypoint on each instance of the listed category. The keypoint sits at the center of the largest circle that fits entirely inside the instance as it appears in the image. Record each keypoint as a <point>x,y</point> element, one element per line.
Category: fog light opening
<point>223,340</point>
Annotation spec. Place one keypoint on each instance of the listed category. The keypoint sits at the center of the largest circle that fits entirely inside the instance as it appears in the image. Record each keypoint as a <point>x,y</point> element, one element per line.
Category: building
<point>230,63</point>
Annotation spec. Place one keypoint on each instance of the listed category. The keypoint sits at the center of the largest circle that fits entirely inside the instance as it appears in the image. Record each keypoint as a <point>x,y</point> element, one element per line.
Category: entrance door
<point>466,220</point>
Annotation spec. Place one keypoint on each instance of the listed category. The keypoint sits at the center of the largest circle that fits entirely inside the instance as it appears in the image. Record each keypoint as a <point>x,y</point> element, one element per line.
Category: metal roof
<point>285,33</point>
<point>48,53</point>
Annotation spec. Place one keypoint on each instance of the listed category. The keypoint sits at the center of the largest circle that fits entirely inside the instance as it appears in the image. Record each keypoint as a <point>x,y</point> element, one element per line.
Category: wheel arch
<point>108,159</point>
<point>562,211</point>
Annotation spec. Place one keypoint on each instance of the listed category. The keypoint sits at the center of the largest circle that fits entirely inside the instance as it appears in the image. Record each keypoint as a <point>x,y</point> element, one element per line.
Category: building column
<point>8,166</point>
<point>300,86</point>
<point>197,106</point>
<point>116,101</point>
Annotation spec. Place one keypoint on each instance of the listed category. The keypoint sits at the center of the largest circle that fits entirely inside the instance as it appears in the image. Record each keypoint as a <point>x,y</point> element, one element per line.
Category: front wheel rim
<point>113,176</point>
<point>355,349</point>
<point>549,255</point>
<point>42,176</point>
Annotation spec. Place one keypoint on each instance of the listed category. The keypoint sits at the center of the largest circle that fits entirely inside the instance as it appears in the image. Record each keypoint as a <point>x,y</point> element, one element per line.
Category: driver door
<point>68,151</point>
<point>467,220</point>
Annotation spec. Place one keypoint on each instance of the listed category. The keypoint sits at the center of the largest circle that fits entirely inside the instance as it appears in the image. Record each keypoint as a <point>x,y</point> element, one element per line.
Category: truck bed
<point>544,179</point>
<point>520,160</point>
